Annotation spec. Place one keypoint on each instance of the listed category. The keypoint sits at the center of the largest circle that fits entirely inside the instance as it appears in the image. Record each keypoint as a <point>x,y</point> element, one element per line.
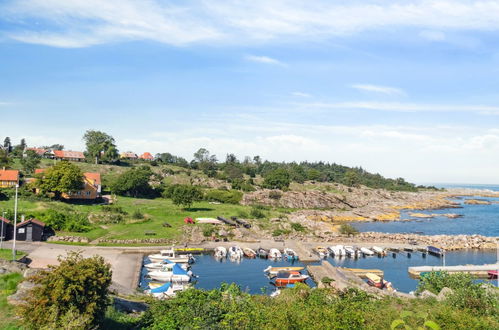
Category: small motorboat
<point>378,282</point>
<point>220,252</point>
<point>249,253</point>
<point>262,253</point>
<point>165,264</point>
<point>366,251</point>
<point>285,278</point>
<point>492,274</point>
<point>275,254</point>
<point>235,252</point>
<point>275,270</point>
<point>176,275</point>
<point>350,251</point>
<point>170,255</point>
<point>164,290</point>
<point>378,250</point>
<point>290,254</point>
<point>322,251</point>
<point>337,250</point>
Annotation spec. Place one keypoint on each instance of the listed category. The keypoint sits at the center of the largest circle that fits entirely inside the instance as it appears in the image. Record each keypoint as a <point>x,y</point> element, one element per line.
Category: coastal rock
<point>21,294</point>
<point>427,294</point>
<point>477,202</point>
<point>444,293</point>
<point>421,215</point>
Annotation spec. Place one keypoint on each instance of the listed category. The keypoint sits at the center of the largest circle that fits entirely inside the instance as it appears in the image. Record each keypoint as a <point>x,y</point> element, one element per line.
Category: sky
<point>402,88</point>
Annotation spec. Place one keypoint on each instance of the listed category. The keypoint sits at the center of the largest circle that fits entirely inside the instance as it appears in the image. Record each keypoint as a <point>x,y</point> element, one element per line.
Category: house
<point>30,230</point>
<point>75,156</point>
<point>92,188</point>
<point>9,178</point>
<point>128,155</point>
<point>8,229</point>
<point>41,152</point>
<point>146,156</point>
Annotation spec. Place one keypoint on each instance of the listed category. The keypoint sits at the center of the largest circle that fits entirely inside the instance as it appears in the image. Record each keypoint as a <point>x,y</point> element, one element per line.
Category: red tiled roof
<point>68,154</point>
<point>4,220</point>
<point>9,175</point>
<point>146,155</point>
<point>38,222</point>
<point>39,151</point>
<point>93,177</point>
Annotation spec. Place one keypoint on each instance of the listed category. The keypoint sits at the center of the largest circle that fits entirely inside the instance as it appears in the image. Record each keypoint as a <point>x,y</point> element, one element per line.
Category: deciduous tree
<point>63,177</point>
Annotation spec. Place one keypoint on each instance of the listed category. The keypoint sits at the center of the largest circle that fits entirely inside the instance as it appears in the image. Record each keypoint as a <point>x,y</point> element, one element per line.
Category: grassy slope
<point>8,284</point>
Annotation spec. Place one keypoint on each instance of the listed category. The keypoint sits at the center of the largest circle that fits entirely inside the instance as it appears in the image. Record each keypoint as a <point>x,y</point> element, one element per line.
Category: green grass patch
<point>7,254</point>
<point>8,285</point>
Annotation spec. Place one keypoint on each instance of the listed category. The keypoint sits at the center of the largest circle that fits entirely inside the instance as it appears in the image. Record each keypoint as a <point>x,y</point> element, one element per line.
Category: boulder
<point>427,294</point>
<point>444,293</point>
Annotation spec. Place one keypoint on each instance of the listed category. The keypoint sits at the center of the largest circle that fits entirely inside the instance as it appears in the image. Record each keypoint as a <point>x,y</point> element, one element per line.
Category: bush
<point>257,213</point>
<point>275,194</point>
<point>78,222</point>
<point>242,214</point>
<point>280,232</point>
<point>113,209</point>
<point>277,179</point>
<point>182,194</point>
<point>65,220</point>
<point>208,230</point>
<point>137,214</point>
<point>223,196</point>
<point>297,226</point>
<point>347,229</point>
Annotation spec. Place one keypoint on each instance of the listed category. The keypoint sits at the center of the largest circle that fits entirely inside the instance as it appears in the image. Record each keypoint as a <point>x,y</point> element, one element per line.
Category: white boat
<point>177,275</point>
<point>275,253</point>
<point>220,252</point>
<point>235,252</point>
<point>290,254</point>
<point>171,256</point>
<point>249,253</point>
<point>378,250</point>
<point>366,251</point>
<point>350,251</point>
<point>164,290</point>
<point>337,250</point>
<point>273,271</point>
<point>165,264</point>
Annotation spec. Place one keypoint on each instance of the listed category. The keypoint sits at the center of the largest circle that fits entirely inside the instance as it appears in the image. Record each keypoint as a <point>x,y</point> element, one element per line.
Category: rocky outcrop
<point>8,266</point>
<point>70,239</point>
<point>477,202</point>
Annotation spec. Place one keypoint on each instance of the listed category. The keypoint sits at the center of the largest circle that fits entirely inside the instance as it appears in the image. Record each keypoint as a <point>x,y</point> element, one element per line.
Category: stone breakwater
<point>447,242</point>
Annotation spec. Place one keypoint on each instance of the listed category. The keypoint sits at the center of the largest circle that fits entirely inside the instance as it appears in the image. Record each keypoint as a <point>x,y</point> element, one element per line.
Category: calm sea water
<point>248,273</point>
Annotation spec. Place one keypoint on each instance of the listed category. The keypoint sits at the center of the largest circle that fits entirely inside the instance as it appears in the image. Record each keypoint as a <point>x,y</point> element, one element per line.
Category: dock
<point>362,272</point>
<point>479,271</point>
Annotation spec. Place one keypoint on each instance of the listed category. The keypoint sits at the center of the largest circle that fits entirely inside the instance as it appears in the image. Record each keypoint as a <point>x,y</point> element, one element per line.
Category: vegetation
<point>100,147</point>
<point>134,182</point>
<point>347,229</point>
<point>8,285</point>
<point>184,195</point>
<point>224,196</point>
<point>30,161</point>
<point>61,178</point>
<point>72,295</point>
<point>277,179</point>
<point>6,254</point>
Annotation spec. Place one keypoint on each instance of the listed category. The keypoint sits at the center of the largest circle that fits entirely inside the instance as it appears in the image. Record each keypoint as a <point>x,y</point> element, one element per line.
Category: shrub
<point>277,179</point>
<point>113,209</point>
<point>347,229</point>
<point>181,194</point>
<point>297,226</point>
<point>257,213</point>
<point>137,214</point>
<point>208,230</point>
<point>224,196</point>
<point>280,232</point>
<point>78,222</point>
<point>275,194</point>
<point>242,214</point>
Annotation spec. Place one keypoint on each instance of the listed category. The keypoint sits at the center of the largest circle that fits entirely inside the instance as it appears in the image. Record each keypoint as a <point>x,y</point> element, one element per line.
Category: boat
<point>350,251</point>
<point>378,250</point>
<point>366,251</point>
<point>492,274</point>
<point>275,270</point>
<point>337,250</point>
<point>378,282</point>
<point>285,278</point>
<point>176,275</point>
<point>435,251</point>
<point>262,253</point>
<point>290,254</point>
<point>220,252</point>
<point>165,264</point>
<point>322,251</point>
<point>235,252</point>
<point>249,253</point>
<point>164,290</point>
<point>275,254</point>
<point>171,256</point>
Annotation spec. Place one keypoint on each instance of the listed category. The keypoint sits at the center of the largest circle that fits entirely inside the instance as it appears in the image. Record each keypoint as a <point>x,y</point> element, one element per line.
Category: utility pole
<point>15,226</point>
<point>1,232</point>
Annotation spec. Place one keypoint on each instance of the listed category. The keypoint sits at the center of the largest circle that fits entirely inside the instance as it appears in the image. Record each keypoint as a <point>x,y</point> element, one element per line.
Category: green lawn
<point>7,254</point>
<point>8,285</point>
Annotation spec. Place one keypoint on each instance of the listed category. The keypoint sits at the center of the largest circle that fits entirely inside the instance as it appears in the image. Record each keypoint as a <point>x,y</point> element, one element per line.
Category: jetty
<point>479,271</point>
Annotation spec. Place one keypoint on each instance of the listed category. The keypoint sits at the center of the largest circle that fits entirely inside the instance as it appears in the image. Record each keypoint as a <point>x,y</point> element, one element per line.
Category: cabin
<point>8,229</point>
<point>40,152</point>
<point>146,156</point>
<point>128,155</point>
<point>92,188</point>
<point>31,230</point>
<point>9,178</point>
<point>75,156</point>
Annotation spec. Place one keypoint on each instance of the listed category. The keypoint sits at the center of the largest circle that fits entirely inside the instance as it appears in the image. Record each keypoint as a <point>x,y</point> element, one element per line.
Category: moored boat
<point>378,282</point>
<point>350,251</point>
<point>285,278</point>
<point>177,275</point>
<point>322,251</point>
<point>275,253</point>
<point>235,252</point>
<point>366,251</point>
<point>492,274</point>
<point>164,290</point>
<point>249,253</point>
<point>290,254</point>
<point>172,256</point>
<point>275,270</point>
<point>165,264</point>
<point>220,252</point>
<point>262,253</point>
<point>378,250</point>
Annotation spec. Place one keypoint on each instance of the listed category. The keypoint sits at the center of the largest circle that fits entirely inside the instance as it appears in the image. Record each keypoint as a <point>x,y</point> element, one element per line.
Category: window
<point>88,193</point>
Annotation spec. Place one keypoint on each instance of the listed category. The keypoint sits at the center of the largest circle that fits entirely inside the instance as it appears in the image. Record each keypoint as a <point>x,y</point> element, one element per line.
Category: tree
<point>98,144</point>
<point>351,178</point>
<point>184,195</point>
<point>73,295</point>
<point>202,155</point>
<point>277,179</point>
<point>5,160</point>
<point>54,147</point>
<point>7,145</point>
<point>19,149</point>
<point>64,177</point>
<point>30,161</point>
<point>206,162</point>
<point>134,182</point>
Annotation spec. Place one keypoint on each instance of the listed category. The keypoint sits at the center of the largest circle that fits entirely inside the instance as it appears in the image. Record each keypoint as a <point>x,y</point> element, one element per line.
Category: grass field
<point>7,254</point>
<point>8,285</point>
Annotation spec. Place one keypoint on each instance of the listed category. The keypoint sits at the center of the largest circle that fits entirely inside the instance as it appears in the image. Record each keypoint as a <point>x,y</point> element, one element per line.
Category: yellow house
<point>8,178</point>
<point>91,190</point>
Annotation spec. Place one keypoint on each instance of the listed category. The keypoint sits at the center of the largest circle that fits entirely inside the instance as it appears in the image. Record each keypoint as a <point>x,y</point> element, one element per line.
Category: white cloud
<point>263,59</point>
<point>379,89</point>
<point>81,23</point>
<point>301,94</point>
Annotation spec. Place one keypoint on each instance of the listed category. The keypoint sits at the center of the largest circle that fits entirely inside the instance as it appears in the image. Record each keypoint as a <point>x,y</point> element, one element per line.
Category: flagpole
<point>15,226</point>
<point>1,234</point>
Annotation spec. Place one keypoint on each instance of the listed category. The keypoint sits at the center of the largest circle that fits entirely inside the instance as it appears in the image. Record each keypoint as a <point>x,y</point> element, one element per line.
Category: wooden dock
<point>362,272</point>
<point>479,271</point>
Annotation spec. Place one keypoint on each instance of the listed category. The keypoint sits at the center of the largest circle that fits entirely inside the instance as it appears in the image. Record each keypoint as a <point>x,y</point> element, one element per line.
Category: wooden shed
<point>8,229</point>
<point>30,230</point>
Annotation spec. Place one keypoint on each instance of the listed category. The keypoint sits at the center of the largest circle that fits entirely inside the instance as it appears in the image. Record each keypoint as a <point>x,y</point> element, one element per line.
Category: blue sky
<point>403,88</point>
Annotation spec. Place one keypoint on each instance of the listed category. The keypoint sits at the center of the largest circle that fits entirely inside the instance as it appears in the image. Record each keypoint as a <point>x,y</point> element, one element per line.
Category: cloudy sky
<point>404,88</point>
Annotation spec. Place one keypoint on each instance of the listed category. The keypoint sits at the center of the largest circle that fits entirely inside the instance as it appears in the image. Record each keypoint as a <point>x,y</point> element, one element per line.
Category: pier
<point>479,271</point>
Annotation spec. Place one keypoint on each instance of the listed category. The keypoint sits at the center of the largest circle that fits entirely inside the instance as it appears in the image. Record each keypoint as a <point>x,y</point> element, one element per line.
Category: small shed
<point>8,229</point>
<point>30,230</point>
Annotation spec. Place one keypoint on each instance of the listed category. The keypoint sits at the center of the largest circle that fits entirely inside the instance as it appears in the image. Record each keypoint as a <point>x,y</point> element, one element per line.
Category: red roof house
<point>8,178</point>
<point>69,155</point>
<point>146,156</point>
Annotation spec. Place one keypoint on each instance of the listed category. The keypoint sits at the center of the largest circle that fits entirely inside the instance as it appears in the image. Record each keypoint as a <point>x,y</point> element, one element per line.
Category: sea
<point>476,219</point>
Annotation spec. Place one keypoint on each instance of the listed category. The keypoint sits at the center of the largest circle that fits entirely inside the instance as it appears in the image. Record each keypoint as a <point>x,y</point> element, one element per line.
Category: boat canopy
<point>373,277</point>
<point>177,270</point>
<point>162,288</point>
